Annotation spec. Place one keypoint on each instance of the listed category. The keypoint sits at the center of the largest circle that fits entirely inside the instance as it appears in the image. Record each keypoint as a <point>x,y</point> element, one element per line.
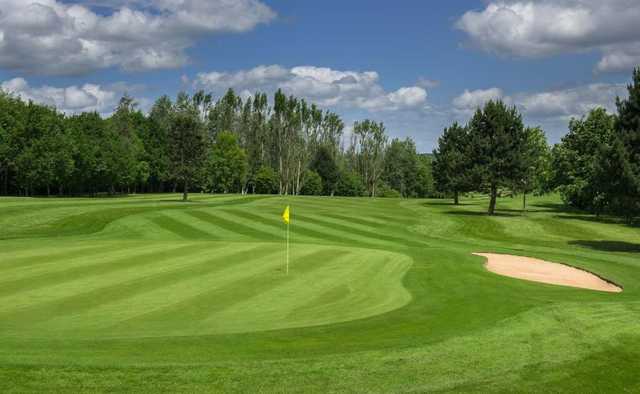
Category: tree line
<point>195,143</point>
<point>595,167</point>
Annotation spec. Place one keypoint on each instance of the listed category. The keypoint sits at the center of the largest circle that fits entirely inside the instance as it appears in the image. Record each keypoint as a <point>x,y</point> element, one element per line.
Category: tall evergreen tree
<point>498,142</point>
<point>325,166</point>
<point>187,144</point>
<point>619,170</point>
<point>452,162</point>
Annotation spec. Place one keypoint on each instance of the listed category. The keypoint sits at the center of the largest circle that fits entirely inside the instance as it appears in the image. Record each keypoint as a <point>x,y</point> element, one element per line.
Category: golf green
<point>149,294</point>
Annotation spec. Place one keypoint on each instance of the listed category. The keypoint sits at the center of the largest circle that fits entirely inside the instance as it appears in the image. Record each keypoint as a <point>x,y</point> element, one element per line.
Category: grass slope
<point>149,294</point>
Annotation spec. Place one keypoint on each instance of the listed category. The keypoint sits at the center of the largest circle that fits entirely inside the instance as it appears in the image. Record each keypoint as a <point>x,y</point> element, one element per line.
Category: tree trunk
<point>298,177</point>
<point>492,202</point>
<point>185,191</point>
<point>524,201</point>
<point>48,190</point>
<point>456,197</point>
<point>281,175</point>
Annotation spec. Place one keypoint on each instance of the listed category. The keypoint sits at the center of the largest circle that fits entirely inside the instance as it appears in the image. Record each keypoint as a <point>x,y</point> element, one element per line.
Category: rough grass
<point>147,294</point>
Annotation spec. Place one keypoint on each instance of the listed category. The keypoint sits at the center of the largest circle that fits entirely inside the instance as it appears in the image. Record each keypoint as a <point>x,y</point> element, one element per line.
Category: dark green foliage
<point>452,162</point>
<point>155,140</point>
<point>13,121</point>
<point>624,157</point>
<point>266,181</point>
<point>536,161</point>
<point>350,185</point>
<point>424,184</point>
<point>596,167</point>
<point>401,167</point>
<point>227,164</point>
<point>187,146</point>
<point>491,153</point>
<point>386,191</point>
<point>125,153</point>
<point>312,184</point>
<point>498,142</point>
<point>614,183</point>
<point>575,158</point>
<point>324,164</point>
<point>199,144</point>
<point>46,157</point>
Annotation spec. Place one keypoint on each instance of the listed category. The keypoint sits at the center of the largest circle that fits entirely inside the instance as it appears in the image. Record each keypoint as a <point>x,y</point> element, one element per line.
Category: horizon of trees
<point>595,167</point>
<point>231,145</point>
<point>291,147</point>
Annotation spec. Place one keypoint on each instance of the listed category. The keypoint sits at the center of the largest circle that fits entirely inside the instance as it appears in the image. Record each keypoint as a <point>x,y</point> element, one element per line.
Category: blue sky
<point>416,65</point>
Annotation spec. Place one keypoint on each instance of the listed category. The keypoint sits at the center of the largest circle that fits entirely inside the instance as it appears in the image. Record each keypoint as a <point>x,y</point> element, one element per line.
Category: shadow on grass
<point>444,203</point>
<point>596,219</point>
<point>608,246</point>
<point>480,213</point>
<point>554,207</point>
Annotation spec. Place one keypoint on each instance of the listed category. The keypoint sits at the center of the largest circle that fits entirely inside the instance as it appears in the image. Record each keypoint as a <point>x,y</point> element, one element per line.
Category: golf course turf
<point>149,294</point>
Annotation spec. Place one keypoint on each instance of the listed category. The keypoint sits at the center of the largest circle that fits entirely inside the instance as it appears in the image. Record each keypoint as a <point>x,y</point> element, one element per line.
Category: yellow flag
<point>285,215</point>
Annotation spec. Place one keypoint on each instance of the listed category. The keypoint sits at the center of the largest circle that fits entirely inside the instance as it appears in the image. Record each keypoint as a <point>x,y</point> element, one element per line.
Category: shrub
<point>312,184</point>
<point>266,181</point>
<point>350,184</point>
<point>386,191</point>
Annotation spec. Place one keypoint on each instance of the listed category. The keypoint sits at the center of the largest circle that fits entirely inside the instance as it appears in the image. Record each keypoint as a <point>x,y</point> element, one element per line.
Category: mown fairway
<point>150,294</point>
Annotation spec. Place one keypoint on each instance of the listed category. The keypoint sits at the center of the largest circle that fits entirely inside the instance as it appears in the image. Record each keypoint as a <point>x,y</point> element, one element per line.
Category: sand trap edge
<point>519,268</point>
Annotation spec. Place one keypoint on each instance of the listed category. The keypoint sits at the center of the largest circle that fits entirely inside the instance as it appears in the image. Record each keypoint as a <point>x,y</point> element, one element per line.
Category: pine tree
<point>451,162</point>
<point>498,142</point>
<point>624,194</point>
<point>187,145</point>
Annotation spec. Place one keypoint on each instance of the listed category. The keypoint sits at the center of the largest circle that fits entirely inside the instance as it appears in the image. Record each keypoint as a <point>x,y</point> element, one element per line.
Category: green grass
<point>148,294</point>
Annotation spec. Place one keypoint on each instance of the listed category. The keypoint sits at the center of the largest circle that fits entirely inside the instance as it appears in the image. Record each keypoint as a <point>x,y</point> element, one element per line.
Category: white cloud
<point>71,99</point>
<point>620,58</point>
<point>572,102</point>
<point>470,100</point>
<point>560,104</point>
<point>551,109</point>
<point>408,97</point>
<point>55,37</point>
<point>546,27</point>
<point>324,86</point>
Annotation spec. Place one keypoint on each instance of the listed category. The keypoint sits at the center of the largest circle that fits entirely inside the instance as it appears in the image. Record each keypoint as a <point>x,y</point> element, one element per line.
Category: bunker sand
<point>536,270</point>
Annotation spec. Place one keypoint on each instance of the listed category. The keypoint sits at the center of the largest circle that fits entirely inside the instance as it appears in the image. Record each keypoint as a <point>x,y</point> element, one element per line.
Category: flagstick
<point>287,248</point>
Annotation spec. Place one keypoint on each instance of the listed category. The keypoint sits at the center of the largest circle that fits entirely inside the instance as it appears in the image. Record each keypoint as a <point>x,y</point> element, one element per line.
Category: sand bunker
<point>528,268</point>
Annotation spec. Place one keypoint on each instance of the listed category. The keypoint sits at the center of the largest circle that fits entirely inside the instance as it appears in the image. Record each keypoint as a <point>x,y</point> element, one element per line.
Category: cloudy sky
<point>416,65</point>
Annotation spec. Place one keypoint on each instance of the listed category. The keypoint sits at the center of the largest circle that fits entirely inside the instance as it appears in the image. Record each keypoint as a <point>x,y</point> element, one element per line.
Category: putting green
<point>142,289</point>
<point>150,294</point>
